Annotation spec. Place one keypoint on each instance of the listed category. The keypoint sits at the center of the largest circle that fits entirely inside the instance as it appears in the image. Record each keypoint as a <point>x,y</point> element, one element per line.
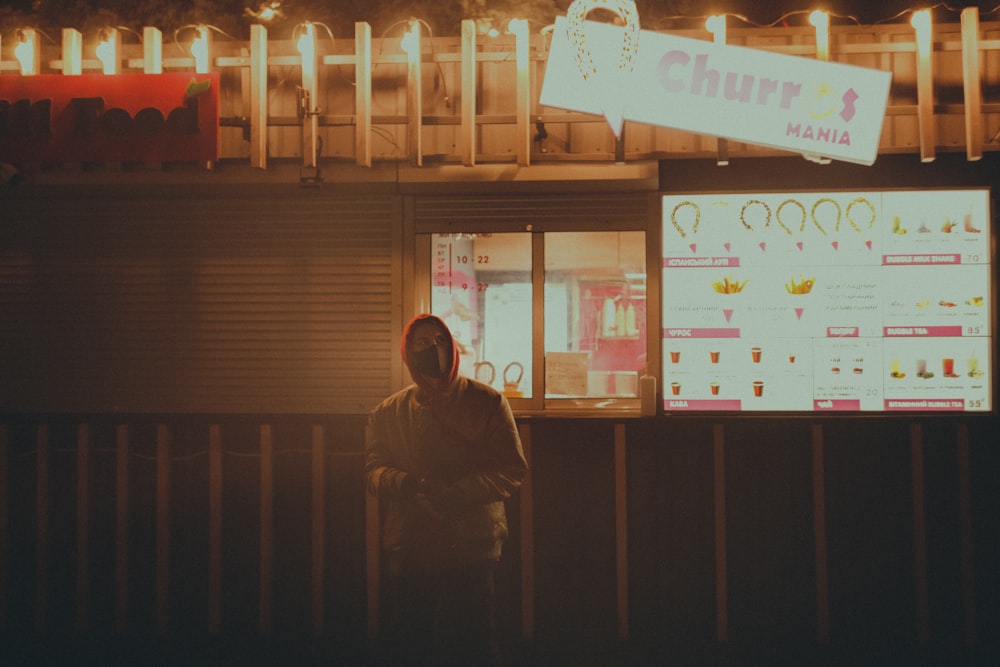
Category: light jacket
<point>457,436</point>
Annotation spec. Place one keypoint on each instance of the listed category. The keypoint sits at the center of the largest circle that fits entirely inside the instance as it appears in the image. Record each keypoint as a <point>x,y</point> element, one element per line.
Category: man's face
<point>427,335</point>
<point>430,350</point>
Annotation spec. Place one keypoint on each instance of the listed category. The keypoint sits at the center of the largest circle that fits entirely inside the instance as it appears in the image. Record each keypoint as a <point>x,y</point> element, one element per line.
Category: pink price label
<point>935,332</point>
<point>842,332</point>
<point>925,404</point>
<point>700,262</point>
<point>704,332</point>
<point>702,404</point>
<point>841,404</point>
<point>920,260</point>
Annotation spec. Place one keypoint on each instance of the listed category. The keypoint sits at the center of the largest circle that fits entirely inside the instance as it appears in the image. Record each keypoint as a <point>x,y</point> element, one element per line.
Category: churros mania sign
<point>786,102</point>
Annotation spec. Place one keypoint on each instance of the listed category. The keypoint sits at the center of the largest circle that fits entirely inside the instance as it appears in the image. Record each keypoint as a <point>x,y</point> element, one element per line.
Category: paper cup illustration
<point>758,388</point>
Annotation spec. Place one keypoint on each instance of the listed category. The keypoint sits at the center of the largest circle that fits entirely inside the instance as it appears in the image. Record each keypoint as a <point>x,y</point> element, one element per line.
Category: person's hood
<point>428,384</point>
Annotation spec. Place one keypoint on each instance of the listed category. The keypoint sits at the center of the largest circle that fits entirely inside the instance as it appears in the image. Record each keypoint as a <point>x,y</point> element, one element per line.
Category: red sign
<point>171,117</point>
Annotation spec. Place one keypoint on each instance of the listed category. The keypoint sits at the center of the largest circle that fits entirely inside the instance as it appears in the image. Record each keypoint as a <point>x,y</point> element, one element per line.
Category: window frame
<point>538,404</point>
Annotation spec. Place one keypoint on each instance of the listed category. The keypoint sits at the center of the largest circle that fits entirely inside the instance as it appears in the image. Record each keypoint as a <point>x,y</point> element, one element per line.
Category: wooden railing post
<point>819,537</point>
<point>83,450</point>
<point>43,458</point>
<point>527,542</point>
<point>721,580</point>
<point>266,529</point>
<point>214,529</point>
<point>318,529</point>
<point>919,535</point>
<point>162,529</point>
<point>4,543</point>
<point>121,529</point>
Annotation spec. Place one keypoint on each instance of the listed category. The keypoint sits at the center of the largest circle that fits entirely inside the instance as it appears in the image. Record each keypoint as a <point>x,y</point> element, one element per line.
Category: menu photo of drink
<point>828,301</point>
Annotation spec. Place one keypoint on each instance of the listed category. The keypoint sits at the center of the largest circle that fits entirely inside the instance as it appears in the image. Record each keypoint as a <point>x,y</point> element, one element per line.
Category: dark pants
<point>443,617</point>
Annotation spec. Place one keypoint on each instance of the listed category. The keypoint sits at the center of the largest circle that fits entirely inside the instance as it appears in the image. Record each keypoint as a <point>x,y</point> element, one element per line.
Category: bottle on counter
<point>608,317</point>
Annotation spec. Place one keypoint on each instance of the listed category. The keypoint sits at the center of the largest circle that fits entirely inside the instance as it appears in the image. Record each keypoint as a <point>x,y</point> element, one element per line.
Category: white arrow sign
<point>787,102</point>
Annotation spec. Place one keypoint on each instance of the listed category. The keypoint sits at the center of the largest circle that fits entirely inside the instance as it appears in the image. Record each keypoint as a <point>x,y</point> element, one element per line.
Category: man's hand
<point>411,486</point>
<point>427,507</point>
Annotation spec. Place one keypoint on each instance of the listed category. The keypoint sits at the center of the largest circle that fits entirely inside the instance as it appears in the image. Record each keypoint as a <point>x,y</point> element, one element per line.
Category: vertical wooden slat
<point>469,95</point>
<point>258,96</point>
<point>414,98</point>
<point>83,451</point>
<point>72,51</point>
<point>373,560</point>
<point>527,542</point>
<point>114,36</point>
<point>318,529</point>
<point>823,54</point>
<point>819,537</point>
<point>152,50</point>
<point>919,534</point>
<point>925,97</point>
<point>162,529</point>
<point>968,546</point>
<point>310,122</point>
<point>266,529</point>
<point>121,529</point>
<point>721,580</point>
<point>721,143</point>
<point>538,317</point>
<point>523,111</point>
<point>42,501</point>
<point>621,529</point>
<point>722,152</point>
<point>4,543</point>
<point>363,94</point>
<point>972,84</point>
<point>214,529</point>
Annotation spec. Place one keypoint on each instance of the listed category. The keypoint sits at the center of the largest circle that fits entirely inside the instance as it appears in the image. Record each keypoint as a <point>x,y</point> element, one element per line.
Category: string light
<point>717,26</point>
<point>306,44</point>
<point>410,41</point>
<point>266,13</point>
<point>517,27</point>
<point>821,20</point>
<point>152,50</point>
<point>107,50</point>
<point>72,52</point>
<point>199,49</point>
<point>27,51</point>
<point>921,22</point>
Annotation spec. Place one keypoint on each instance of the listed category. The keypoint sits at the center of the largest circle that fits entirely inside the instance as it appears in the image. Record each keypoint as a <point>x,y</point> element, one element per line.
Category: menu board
<point>828,301</point>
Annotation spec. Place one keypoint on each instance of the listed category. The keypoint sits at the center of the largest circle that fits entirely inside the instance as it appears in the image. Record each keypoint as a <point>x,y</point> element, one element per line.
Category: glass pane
<point>595,314</point>
<point>482,290</point>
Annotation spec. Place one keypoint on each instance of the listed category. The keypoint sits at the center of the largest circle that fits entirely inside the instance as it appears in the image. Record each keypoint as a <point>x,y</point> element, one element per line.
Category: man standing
<point>442,455</point>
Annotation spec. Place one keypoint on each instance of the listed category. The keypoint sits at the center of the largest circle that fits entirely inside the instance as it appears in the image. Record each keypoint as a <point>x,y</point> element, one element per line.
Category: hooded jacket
<point>454,438</point>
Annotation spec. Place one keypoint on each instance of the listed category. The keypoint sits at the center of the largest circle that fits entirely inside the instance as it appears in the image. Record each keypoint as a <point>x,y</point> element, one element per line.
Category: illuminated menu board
<point>828,302</point>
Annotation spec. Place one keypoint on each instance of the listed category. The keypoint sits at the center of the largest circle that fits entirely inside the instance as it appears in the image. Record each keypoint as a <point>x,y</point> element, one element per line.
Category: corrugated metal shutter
<point>495,213</point>
<point>271,299</point>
